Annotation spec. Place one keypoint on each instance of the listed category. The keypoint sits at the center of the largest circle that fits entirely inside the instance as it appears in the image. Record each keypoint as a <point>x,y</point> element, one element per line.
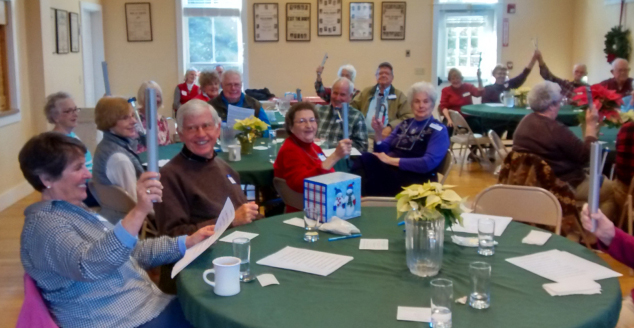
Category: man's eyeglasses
<point>207,127</point>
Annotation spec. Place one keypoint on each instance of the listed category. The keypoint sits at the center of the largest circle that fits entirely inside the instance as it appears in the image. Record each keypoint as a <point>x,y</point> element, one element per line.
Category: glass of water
<point>312,216</point>
<point>480,273</point>
<point>486,234</point>
<point>242,250</point>
<point>441,301</point>
<point>272,146</point>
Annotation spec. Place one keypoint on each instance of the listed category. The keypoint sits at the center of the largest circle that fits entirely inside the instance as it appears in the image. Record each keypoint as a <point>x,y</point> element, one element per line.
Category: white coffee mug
<point>234,153</point>
<point>227,276</point>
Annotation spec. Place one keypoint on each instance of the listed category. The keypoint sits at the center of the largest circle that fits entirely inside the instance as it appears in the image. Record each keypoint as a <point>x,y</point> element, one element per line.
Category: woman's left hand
<point>387,159</point>
<point>200,235</point>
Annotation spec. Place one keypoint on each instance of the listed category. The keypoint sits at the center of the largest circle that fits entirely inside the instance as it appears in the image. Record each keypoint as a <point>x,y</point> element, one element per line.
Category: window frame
<point>13,115</point>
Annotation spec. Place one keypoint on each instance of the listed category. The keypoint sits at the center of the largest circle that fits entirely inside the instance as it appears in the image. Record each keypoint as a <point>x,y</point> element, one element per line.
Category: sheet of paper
<point>574,286</point>
<point>267,279</point>
<point>470,221</point>
<point>237,113</point>
<point>374,244</point>
<point>304,260</point>
<point>260,147</point>
<point>225,218</point>
<point>536,237</point>
<point>560,266</point>
<point>238,234</point>
<point>279,140</point>
<point>296,222</point>
<point>418,314</point>
<point>353,152</point>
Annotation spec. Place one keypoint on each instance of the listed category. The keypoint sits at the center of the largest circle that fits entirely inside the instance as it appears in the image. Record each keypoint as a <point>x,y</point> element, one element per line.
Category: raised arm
<point>517,81</point>
<point>177,99</point>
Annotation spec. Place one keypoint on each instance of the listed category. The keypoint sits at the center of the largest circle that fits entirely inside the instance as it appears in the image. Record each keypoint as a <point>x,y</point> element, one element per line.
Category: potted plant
<point>250,128</point>
<point>521,95</point>
<point>428,209</point>
<point>607,102</point>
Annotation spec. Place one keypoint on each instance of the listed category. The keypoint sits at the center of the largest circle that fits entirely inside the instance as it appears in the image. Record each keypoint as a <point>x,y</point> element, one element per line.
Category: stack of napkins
<point>573,286</point>
<point>536,237</point>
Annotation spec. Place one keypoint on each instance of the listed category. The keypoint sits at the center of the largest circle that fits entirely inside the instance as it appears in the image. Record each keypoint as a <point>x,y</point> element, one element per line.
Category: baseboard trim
<point>14,194</point>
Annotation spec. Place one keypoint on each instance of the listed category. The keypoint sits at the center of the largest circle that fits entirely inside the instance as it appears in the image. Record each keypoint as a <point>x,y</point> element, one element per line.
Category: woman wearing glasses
<point>299,156</point>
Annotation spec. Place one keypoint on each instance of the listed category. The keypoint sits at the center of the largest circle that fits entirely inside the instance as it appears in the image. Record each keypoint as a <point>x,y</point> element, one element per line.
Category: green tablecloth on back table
<point>279,121</point>
<point>567,114</point>
<point>366,291</point>
<point>607,135</point>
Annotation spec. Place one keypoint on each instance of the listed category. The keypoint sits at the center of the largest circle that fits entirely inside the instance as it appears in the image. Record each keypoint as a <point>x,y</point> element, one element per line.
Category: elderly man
<point>394,108</point>
<point>231,94</point>
<point>567,87</point>
<point>330,128</point>
<point>620,81</point>
<point>540,134</point>
<point>348,71</point>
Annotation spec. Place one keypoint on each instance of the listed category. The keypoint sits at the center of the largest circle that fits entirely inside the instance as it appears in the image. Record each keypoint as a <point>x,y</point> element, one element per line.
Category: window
<point>212,34</point>
<point>468,1</point>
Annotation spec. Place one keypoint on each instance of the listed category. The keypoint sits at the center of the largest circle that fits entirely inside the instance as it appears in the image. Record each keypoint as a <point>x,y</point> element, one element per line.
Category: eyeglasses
<point>207,127</point>
<point>303,121</point>
<point>71,110</point>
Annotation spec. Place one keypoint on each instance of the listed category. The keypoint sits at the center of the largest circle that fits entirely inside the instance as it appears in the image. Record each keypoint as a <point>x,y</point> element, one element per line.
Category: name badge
<point>322,157</point>
<point>391,97</point>
<point>466,94</point>
<point>184,93</point>
<point>435,126</point>
<point>231,179</point>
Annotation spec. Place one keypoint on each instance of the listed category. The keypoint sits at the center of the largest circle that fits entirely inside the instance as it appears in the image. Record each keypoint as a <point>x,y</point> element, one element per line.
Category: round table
<point>606,134</point>
<point>367,290</point>
<point>279,121</point>
<point>567,114</point>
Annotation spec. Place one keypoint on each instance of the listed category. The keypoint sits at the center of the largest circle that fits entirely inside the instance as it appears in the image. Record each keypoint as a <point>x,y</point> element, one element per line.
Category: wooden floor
<point>472,181</point>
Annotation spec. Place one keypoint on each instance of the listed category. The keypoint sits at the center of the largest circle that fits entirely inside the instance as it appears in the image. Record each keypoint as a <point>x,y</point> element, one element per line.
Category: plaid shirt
<point>624,168</point>
<point>623,91</point>
<point>89,273</point>
<point>567,87</point>
<point>331,130</point>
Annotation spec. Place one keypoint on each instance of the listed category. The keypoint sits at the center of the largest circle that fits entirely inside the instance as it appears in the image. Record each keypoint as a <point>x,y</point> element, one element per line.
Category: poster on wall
<point>61,31</point>
<point>393,20</point>
<point>329,18</point>
<point>361,21</point>
<point>138,21</point>
<point>298,22</point>
<point>74,32</point>
<point>265,22</point>
<point>54,30</point>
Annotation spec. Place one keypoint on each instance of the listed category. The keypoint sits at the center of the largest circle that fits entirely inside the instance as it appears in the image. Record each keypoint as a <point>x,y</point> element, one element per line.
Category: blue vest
<point>110,145</point>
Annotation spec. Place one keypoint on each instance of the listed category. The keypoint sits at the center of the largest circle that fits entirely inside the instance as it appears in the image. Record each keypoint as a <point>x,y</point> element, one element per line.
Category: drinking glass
<point>227,137</point>
<point>486,230</point>
<point>480,273</point>
<point>242,250</point>
<point>312,216</point>
<point>441,301</point>
<point>272,144</point>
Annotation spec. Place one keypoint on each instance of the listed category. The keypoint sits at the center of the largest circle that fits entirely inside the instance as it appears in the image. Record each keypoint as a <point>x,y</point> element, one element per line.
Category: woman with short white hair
<point>348,71</point>
<point>162,127</point>
<point>187,90</point>
<point>412,153</point>
<point>540,134</point>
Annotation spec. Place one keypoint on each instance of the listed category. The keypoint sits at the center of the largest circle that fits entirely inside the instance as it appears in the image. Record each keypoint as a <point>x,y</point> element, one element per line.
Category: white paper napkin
<point>374,244</point>
<point>267,279</point>
<point>467,241</point>
<point>238,234</point>
<point>260,148</point>
<point>295,222</point>
<point>536,238</point>
<point>574,286</point>
<point>418,314</point>
<point>339,227</point>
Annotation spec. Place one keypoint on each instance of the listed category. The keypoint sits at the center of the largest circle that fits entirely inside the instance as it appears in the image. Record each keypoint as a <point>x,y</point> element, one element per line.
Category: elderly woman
<point>163,131</point>
<point>116,162</point>
<point>187,90</point>
<point>348,71</point>
<point>411,153</point>
<point>540,134</point>
<point>209,85</point>
<point>299,157</point>
<point>91,273</point>
<point>503,83</point>
<point>458,94</point>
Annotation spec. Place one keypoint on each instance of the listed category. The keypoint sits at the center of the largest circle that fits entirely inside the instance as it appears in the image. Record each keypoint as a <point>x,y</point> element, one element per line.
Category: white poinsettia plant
<point>431,200</point>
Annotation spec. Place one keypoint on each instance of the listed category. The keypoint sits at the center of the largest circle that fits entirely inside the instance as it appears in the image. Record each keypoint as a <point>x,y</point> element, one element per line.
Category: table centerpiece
<point>250,128</point>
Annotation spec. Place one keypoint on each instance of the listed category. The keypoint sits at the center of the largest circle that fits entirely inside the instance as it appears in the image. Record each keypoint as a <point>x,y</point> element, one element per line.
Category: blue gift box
<point>334,194</point>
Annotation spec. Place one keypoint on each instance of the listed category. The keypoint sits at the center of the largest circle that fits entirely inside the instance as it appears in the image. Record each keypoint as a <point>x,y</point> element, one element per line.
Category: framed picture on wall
<point>73,19</point>
<point>266,27</point>
<point>54,30</point>
<point>393,20</point>
<point>361,21</point>
<point>138,21</point>
<point>329,17</point>
<point>297,21</point>
<point>61,31</point>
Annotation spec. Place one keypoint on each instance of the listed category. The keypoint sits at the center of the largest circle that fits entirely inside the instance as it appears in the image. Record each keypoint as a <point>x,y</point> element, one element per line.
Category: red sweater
<point>296,161</point>
<point>202,97</point>
<point>454,98</point>
<point>187,95</point>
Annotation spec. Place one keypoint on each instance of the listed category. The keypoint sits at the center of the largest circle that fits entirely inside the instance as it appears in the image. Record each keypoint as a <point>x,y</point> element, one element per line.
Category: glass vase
<point>246,146</point>
<point>424,238</point>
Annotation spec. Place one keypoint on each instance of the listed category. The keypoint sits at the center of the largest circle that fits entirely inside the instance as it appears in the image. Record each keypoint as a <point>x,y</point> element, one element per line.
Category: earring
<point>48,187</point>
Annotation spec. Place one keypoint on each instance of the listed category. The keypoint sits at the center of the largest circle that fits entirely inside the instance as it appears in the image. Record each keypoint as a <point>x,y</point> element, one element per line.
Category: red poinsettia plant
<point>607,102</point>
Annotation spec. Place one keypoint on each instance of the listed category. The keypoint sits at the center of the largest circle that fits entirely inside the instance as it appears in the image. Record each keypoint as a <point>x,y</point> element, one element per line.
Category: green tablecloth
<point>607,135</point>
<point>366,291</point>
<point>279,121</point>
<point>567,114</point>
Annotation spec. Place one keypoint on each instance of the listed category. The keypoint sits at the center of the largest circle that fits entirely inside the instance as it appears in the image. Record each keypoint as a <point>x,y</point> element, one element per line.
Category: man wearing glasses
<point>620,81</point>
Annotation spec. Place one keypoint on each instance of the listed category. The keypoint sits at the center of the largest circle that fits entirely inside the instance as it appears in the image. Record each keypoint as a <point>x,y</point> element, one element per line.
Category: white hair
<point>422,87</point>
<point>619,60</point>
<point>229,72</point>
<point>195,107</point>
<point>343,79</point>
<point>543,95</point>
<point>189,70</point>
<point>350,69</point>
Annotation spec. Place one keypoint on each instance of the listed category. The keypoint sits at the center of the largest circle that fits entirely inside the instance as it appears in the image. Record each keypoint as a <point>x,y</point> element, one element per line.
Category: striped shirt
<point>90,273</point>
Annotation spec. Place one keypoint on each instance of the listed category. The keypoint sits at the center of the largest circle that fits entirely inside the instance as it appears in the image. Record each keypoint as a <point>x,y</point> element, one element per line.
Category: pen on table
<point>344,237</point>
<point>400,223</point>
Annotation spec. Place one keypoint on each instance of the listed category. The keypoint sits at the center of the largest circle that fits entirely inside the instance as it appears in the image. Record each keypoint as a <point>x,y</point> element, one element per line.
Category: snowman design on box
<point>339,207</point>
<point>350,201</point>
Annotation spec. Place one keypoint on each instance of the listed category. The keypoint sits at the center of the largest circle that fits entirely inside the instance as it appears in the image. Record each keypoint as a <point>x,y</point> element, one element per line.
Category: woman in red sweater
<point>299,157</point>
<point>457,94</point>
<point>187,90</point>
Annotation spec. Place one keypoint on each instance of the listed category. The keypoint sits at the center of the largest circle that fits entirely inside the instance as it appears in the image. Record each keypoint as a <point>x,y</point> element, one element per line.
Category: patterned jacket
<point>330,129</point>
